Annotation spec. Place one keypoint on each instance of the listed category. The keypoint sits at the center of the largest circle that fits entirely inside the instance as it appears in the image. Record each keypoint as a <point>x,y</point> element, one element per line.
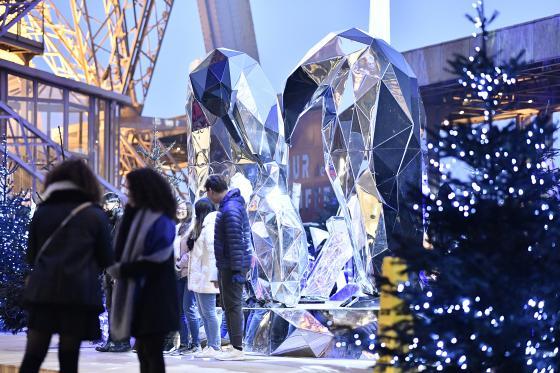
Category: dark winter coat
<point>156,306</point>
<point>67,272</point>
<point>232,236</point>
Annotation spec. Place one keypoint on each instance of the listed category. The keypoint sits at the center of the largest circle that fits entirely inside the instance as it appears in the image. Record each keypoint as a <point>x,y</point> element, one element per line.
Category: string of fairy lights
<point>496,174</point>
<point>14,220</point>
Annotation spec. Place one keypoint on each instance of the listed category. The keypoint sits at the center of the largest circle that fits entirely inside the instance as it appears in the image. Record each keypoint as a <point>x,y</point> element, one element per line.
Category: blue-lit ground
<point>91,361</point>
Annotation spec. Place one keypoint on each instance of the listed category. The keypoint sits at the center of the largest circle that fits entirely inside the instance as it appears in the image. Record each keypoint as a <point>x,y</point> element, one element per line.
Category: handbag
<point>72,214</point>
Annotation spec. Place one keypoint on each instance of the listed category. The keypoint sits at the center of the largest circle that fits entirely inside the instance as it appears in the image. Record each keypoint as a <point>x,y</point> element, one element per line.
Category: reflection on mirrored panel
<point>372,118</point>
<point>235,129</point>
<point>319,333</point>
<point>336,252</point>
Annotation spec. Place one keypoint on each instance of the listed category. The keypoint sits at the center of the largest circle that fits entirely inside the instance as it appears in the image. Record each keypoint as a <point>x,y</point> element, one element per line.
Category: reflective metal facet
<point>336,252</point>
<point>235,128</point>
<point>372,119</point>
<point>321,332</point>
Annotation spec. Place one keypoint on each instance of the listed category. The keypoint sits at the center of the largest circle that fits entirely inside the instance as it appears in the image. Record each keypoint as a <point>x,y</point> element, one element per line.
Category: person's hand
<point>238,278</point>
<point>114,271</point>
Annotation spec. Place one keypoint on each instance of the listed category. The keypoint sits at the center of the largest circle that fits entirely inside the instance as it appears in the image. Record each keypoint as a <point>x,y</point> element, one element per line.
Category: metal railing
<point>33,150</point>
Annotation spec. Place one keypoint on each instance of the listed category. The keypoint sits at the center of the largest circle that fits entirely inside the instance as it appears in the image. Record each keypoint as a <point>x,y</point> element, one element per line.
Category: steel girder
<point>32,149</point>
<point>111,44</point>
<point>12,11</point>
<point>130,159</point>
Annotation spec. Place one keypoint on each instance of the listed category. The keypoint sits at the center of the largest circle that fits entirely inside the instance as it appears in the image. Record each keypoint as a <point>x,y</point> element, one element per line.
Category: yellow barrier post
<point>389,314</point>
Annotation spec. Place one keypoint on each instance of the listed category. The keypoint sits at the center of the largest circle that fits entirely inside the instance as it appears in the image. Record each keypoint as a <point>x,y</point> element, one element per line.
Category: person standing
<point>190,322</point>
<point>145,301</point>
<point>234,250</point>
<point>69,244</point>
<point>203,274</point>
<point>113,208</point>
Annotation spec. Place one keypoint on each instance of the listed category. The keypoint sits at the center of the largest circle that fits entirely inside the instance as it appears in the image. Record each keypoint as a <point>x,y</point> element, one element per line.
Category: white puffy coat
<point>202,261</point>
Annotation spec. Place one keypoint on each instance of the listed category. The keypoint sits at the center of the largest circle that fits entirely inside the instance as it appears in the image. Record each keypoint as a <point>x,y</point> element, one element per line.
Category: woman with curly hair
<point>145,303</point>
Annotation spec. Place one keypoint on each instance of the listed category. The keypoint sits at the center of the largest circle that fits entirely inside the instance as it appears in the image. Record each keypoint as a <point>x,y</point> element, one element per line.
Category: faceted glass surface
<point>321,332</point>
<point>372,128</point>
<point>235,128</point>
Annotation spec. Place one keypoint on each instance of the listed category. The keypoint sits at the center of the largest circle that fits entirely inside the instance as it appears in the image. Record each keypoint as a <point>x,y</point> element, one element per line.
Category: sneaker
<point>169,348</point>
<point>233,354</point>
<point>183,348</point>
<point>179,351</point>
<point>193,349</point>
<point>170,351</point>
<point>207,352</point>
<point>171,343</point>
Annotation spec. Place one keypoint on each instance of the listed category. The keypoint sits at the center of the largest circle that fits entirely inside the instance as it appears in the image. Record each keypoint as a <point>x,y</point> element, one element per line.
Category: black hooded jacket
<point>67,272</point>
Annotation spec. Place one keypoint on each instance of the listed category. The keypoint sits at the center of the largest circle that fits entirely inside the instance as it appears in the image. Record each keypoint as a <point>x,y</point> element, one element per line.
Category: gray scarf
<point>124,289</point>
<point>58,186</point>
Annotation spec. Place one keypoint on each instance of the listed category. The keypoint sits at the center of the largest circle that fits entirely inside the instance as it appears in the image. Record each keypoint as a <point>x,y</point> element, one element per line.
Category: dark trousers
<point>38,346</point>
<point>232,298</point>
<point>150,353</point>
<point>108,283</point>
<point>108,289</point>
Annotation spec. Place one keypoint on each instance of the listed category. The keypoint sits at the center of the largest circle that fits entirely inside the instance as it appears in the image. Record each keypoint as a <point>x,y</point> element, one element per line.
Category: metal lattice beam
<point>130,159</point>
<point>112,44</point>
<point>32,149</point>
<point>12,11</point>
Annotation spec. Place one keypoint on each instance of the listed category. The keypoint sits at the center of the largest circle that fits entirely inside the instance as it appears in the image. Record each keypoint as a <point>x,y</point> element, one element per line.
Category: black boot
<point>110,346</point>
<point>106,346</point>
<point>121,346</point>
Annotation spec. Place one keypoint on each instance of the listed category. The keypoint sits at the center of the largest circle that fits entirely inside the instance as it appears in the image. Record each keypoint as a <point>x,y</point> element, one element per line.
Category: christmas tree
<point>483,291</point>
<point>14,221</point>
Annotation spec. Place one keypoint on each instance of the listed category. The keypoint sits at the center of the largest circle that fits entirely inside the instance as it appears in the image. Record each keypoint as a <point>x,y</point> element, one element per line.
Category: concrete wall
<point>228,24</point>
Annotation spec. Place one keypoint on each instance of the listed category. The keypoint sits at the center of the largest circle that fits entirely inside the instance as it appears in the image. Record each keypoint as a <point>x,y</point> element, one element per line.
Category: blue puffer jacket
<point>232,235</point>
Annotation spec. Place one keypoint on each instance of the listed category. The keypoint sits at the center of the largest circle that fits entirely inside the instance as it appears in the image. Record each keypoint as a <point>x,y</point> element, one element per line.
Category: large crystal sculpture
<point>312,332</point>
<point>235,128</point>
<point>372,118</point>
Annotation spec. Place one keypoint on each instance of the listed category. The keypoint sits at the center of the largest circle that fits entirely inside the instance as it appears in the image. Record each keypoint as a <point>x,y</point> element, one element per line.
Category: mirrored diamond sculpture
<point>235,128</point>
<point>372,123</point>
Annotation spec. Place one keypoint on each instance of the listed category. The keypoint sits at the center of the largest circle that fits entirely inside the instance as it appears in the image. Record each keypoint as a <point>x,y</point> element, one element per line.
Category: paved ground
<point>91,361</point>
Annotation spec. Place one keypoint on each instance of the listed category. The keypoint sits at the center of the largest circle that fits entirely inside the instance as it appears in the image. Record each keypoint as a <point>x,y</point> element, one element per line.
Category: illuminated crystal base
<point>320,331</point>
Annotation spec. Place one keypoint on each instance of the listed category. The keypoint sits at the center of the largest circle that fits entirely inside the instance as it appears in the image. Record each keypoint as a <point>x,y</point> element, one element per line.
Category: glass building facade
<point>39,112</point>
